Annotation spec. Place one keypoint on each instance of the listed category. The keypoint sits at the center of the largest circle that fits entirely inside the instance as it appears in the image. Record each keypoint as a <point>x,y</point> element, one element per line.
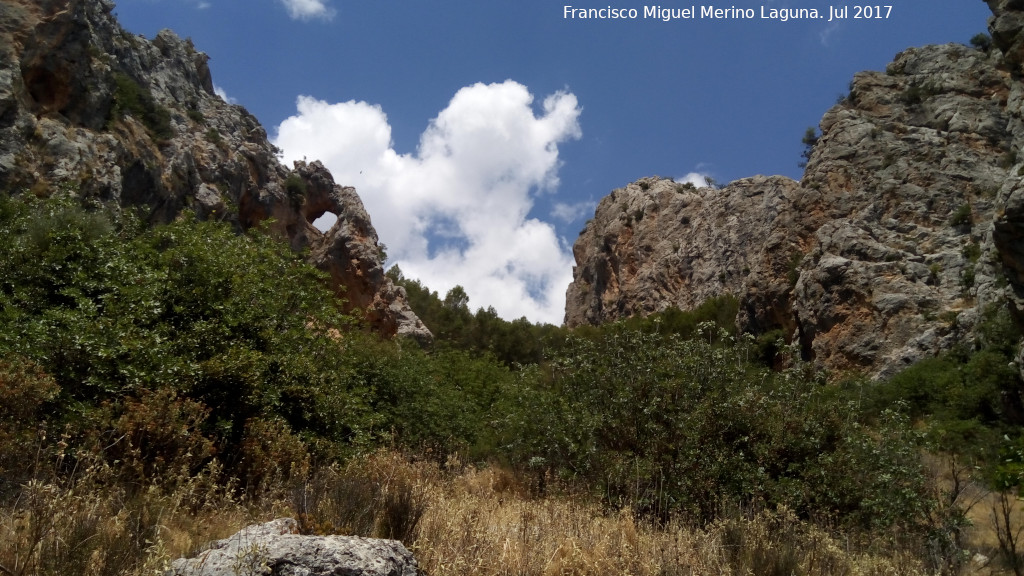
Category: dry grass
<point>482,523</point>
<point>89,522</point>
<point>464,521</point>
<point>981,536</point>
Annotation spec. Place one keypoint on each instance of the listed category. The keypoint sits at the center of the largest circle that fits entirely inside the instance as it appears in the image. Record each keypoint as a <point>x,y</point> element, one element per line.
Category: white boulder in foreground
<point>275,549</point>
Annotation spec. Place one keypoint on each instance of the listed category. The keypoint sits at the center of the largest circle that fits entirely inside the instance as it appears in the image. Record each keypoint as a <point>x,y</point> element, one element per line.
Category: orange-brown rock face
<point>126,121</point>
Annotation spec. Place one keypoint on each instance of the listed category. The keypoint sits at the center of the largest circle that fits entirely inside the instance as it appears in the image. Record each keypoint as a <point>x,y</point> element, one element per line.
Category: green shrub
<point>981,41</point>
<point>961,216</point>
<point>295,185</point>
<point>189,315</point>
<point>132,99</point>
<point>972,252</point>
<point>810,138</point>
<point>677,427</point>
<point>967,277</point>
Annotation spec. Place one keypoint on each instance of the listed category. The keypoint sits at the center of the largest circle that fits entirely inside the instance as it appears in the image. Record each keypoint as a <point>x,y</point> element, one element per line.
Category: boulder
<point>276,549</point>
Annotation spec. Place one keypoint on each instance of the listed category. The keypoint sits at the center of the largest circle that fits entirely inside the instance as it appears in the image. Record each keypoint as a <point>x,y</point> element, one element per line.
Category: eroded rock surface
<point>907,224</point>
<point>90,109</point>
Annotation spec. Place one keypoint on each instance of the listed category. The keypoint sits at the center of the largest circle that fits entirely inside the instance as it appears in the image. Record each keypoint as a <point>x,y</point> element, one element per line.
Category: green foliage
<point>27,393</point>
<point>440,403</point>
<point>981,41</point>
<point>720,311</point>
<point>1009,472</point>
<point>295,185</point>
<point>229,325</point>
<point>688,427</point>
<point>972,252</point>
<point>810,138</point>
<point>516,342</point>
<point>176,345</point>
<point>968,398</point>
<point>967,277</point>
<point>132,99</point>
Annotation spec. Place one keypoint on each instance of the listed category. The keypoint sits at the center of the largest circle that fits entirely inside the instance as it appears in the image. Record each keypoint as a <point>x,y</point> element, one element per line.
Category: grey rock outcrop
<point>906,226</point>
<point>90,109</point>
<point>656,244</point>
<point>276,549</point>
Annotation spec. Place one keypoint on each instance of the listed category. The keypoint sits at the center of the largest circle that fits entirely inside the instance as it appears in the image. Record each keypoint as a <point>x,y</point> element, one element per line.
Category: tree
<point>456,299</point>
<point>810,138</point>
<point>981,41</point>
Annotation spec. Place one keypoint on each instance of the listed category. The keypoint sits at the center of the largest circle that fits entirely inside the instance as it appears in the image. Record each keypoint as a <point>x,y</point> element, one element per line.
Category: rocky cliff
<point>89,109</point>
<point>906,226</point>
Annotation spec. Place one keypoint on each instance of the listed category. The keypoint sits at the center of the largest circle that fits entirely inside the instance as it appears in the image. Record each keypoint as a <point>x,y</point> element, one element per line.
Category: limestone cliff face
<point>86,107</point>
<point>908,222</point>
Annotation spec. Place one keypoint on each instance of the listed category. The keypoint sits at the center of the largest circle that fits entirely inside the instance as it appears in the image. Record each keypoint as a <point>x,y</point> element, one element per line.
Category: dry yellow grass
<point>480,523</point>
<point>466,521</point>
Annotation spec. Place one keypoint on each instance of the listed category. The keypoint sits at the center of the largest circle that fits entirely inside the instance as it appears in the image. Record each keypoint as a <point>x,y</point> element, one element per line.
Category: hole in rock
<point>324,222</point>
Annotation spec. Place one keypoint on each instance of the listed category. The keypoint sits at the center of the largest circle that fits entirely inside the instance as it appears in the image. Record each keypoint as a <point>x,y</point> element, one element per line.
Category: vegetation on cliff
<point>143,364</point>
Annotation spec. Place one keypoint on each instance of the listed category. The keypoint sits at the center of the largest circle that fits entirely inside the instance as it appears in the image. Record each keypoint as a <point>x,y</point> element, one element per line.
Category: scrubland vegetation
<point>165,386</point>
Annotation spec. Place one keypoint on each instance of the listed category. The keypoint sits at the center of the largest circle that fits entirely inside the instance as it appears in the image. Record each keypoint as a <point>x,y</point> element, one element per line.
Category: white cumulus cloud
<point>308,9</point>
<point>456,210</point>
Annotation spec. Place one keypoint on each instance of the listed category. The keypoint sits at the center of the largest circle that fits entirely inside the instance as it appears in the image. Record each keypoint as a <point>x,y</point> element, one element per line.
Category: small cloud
<point>203,5</point>
<point>570,213</point>
<point>826,34</point>
<point>308,9</point>
<point>698,179</point>
<point>223,95</point>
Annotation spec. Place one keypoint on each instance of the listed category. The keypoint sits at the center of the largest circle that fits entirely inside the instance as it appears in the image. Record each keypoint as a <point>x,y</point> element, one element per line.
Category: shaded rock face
<point>907,224</point>
<point>276,549</point>
<point>86,107</point>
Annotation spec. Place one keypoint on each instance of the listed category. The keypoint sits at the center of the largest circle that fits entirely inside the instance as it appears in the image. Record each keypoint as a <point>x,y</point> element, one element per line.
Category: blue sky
<point>481,133</point>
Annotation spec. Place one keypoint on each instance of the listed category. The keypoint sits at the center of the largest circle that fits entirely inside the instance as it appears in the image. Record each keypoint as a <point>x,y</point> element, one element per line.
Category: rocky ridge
<point>906,227</point>
<point>90,109</point>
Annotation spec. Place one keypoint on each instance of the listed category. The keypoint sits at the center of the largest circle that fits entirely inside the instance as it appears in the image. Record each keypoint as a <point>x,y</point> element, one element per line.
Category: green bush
<point>720,310</point>
<point>132,99</point>
<point>810,138</point>
<point>676,427</point>
<point>981,41</point>
<point>484,333</point>
<point>967,398</point>
<point>232,324</point>
<point>295,186</point>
